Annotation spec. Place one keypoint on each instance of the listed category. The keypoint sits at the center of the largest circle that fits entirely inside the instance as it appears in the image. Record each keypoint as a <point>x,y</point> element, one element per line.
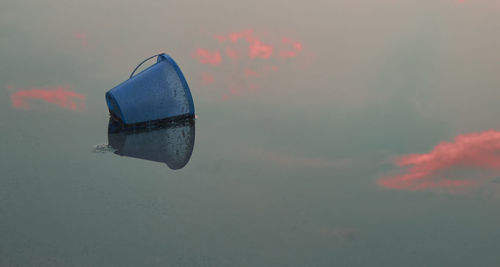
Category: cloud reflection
<point>259,50</point>
<point>427,171</point>
<point>296,48</point>
<point>250,58</point>
<point>204,56</point>
<point>60,95</point>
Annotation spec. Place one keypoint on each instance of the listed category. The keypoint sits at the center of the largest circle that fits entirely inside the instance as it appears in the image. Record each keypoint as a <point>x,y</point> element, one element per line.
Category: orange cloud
<point>60,96</point>
<point>474,150</point>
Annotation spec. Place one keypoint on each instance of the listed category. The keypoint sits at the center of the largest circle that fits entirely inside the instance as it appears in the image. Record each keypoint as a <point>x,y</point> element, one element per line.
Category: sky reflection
<point>298,161</point>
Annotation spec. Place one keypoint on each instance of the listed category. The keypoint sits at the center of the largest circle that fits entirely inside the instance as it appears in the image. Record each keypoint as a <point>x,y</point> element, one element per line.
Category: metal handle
<point>143,63</point>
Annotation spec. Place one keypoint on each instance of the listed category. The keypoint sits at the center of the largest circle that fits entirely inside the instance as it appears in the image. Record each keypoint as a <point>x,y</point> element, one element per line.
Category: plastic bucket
<point>157,93</point>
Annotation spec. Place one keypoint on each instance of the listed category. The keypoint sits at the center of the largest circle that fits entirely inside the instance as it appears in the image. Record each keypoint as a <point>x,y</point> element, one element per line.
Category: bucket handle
<point>143,63</point>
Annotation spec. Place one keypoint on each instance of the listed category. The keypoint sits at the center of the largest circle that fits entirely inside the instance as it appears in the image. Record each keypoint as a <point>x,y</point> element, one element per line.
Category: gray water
<point>305,109</point>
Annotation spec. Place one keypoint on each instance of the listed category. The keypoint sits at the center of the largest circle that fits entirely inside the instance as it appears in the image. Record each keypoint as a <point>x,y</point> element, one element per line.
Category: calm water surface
<point>329,133</point>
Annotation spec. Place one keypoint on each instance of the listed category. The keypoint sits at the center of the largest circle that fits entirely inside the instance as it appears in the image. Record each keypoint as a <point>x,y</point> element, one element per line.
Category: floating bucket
<point>159,92</point>
<point>170,143</point>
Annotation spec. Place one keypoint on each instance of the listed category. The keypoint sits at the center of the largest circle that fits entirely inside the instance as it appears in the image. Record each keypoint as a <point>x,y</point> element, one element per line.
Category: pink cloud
<point>250,56</point>
<point>256,48</point>
<point>259,50</point>
<point>60,95</point>
<point>425,171</point>
<point>246,34</point>
<point>206,57</point>
<point>293,51</point>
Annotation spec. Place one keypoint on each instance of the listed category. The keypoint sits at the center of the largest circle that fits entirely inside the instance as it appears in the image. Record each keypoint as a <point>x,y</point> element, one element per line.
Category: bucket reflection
<point>170,143</point>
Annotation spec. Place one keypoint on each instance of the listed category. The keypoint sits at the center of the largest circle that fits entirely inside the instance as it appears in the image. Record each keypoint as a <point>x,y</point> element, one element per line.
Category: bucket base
<point>150,124</point>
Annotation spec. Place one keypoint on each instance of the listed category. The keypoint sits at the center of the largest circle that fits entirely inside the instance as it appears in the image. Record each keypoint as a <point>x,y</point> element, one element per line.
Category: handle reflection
<point>171,143</point>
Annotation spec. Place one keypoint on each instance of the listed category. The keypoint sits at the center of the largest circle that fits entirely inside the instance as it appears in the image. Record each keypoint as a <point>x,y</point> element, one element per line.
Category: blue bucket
<point>170,143</point>
<point>159,92</point>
